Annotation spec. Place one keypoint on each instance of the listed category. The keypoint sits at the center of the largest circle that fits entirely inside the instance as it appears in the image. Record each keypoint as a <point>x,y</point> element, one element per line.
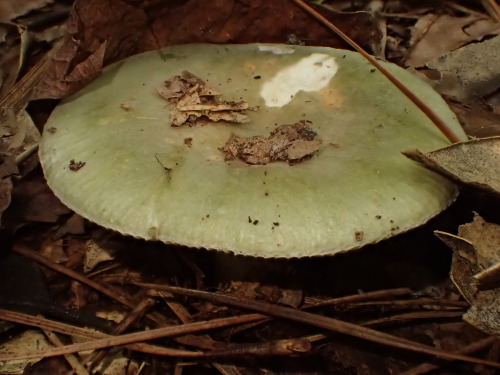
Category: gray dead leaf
<point>13,49</point>
<point>475,162</point>
<point>94,255</point>
<point>469,72</point>
<point>24,342</point>
<point>428,41</point>
<point>18,132</point>
<point>475,250</point>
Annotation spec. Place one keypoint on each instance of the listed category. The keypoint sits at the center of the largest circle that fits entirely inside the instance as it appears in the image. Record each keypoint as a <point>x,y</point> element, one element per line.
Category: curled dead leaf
<point>475,162</point>
<point>196,100</point>
<point>476,249</point>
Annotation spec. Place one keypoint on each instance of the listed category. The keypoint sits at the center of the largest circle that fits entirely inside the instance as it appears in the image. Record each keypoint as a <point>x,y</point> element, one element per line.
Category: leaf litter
<point>131,27</point>
<point>427,40</point>
<point>476,249</point>
<point>292,143</point>
<point>475,162</point>
<point>195,102</point>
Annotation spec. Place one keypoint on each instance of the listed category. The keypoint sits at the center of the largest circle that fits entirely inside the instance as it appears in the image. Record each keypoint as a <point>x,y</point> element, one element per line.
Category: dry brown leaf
<point>130,27</point>
<point>58,82</point>
<point>434,36</point>
<point>478,120</point>
<point>476,248</point>
<point>32,201</point>
<point>99,32</point>
<point>196,100</point>
<point>290,143</point>
<point>475,162</point>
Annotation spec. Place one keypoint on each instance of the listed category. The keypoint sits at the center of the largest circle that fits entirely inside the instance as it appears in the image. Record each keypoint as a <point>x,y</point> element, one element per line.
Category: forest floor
<point>388,308</point>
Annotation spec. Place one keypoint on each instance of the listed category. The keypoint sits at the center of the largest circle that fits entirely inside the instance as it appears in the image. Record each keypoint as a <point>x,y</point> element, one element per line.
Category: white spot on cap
<point>311,73</point>
<point>277,49</point>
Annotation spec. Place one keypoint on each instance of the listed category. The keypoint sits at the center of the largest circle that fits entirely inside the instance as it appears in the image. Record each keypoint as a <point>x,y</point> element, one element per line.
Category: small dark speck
<point>266,194</point>
<point>52,130</point>
<point>75,166</point>
<point>255,222</point>
<point>373,70</point>
<point>207,216</point>
<point>359,235</point>
<point>265,173</point>
<point>249,219</point>
<point>393,198</point>
<point>344,56</point>
<point>392,221</point>
<point>276,223</point>
<point>257,77</point>
<point>378,217</point>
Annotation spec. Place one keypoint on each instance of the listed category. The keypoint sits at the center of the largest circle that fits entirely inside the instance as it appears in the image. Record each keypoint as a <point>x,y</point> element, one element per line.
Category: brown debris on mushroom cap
<point>292,143</point>
<point>195,99</point>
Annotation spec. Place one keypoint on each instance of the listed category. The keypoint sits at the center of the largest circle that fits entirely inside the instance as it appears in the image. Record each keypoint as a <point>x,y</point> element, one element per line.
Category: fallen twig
<point>322,322</point>
<point>131,338</point>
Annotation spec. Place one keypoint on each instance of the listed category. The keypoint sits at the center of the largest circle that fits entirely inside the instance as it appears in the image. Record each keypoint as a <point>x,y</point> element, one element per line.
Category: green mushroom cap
<point>110,154</point>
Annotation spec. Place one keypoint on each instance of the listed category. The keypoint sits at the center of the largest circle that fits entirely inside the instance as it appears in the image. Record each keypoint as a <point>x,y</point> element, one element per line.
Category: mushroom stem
<point>441,125</point>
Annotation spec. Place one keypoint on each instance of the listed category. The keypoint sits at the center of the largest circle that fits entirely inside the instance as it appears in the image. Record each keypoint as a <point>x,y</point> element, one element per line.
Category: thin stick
<point>113,293</point>
<point>435,303</point>
<point>378,294</point>
<point>131,338</point>
<point>492,8</point>
<point>124,325</point>
<point>70,358</point>
<point>69,330</point>
<point>424,368</point>
<point>321,322</point>
<point>416,315</point>
<point>442,126</point>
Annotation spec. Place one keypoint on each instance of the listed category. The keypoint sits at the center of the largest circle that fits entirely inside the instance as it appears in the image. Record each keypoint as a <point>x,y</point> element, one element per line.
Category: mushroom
<point>110,154</point>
